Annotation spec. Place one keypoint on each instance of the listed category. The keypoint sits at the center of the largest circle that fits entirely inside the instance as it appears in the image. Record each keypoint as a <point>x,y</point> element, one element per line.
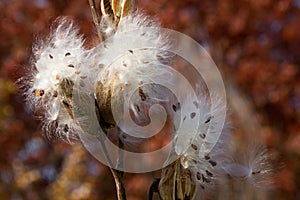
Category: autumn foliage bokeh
<point>255,43</point>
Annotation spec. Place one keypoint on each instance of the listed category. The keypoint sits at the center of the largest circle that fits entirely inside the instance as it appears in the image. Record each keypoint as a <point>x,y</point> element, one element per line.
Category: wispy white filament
<point>128,63</point>
<point>56,68</point>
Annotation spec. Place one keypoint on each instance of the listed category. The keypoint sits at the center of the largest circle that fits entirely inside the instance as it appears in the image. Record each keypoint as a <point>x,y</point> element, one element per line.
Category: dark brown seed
<point>55,124</point>
<point>194,147</point>
<point>39,93</point>
<point>50,56</point>
<point>66,128</point>
<point>202,135</point>
<point>66,104</point>
<point>138,108</point>
<point>142,94</point>
<point>204,179</point>
<point>184,118</point>
<point>207,157</point>
<point>68,54</point>
<point>70,65</point>
<point>208,173</point>
<point>193,114</point>
<point>213,163</point>
<point>199,176</point>
<point>174,108</point>
<point>130,51</point>
<point>208,119</point>
<point>55,93</point>
<point>254,173</point>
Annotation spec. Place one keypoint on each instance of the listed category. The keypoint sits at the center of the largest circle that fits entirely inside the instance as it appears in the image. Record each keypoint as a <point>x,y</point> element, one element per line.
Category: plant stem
<point>118,176</point>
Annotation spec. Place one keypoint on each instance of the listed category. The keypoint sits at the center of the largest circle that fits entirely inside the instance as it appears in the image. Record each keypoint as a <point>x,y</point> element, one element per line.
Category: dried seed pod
<point>176,182</point>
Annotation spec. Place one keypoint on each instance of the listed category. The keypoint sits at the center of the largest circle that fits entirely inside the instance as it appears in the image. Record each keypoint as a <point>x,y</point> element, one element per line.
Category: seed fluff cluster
<point>131,59</point>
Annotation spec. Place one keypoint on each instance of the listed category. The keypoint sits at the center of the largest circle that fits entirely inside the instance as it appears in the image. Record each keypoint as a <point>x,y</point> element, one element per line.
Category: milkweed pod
<point>176,182</point>
<point>116,8</point>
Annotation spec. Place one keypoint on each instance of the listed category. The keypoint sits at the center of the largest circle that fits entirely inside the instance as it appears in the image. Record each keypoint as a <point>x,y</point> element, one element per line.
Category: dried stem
<point>118,175</point>
<point>96,18</point>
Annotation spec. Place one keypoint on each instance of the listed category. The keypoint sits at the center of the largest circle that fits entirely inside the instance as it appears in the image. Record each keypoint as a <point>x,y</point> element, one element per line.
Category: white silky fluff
<point>210,168</point>
<point>131,58</point>
<point>56,59</point>
<point>134,53</point>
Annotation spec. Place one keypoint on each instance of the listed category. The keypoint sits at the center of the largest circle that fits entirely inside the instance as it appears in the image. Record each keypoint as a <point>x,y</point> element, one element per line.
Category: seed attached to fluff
<point>208,173</point>
<point>68,54</point>
<point>39,93</point>
<point>55,93</point>
<point>55,124</point>
<point>204,179</point>
<point>213,163</point>
<point>254,173</point>
<point>199,176</point>
<point>142,94</point>
<point>176,107</point>
<point>50,56</point>
<point>66,104</point>
<point>208,119</point>
<point>138,108</point>
<point>66,128</point>
<point>70,65</point>
<point>207,157</point>
<point>193,114</point>
<point>194,147</point>
<point>202,135</point>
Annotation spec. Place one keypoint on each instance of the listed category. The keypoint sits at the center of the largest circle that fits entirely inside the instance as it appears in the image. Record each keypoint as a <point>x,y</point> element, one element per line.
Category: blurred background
<point>255,43</point>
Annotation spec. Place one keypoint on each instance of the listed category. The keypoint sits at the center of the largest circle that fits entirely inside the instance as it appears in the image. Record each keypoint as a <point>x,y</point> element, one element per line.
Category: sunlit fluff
<point>55,70</point>
<point>208,169</point>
